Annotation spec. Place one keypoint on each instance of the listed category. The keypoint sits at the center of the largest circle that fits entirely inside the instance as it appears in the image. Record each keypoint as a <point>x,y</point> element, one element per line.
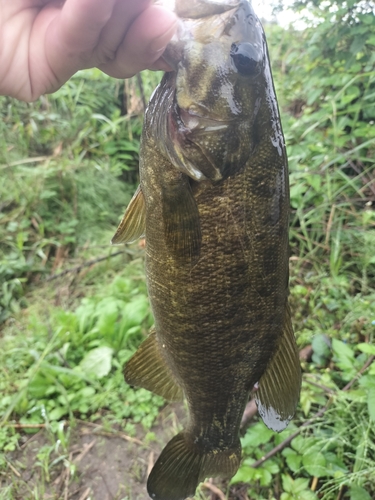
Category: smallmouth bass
<point>213,203</point>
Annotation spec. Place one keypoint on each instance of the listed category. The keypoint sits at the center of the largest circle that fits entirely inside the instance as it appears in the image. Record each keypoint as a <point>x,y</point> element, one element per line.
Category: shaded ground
<point>99,464</point>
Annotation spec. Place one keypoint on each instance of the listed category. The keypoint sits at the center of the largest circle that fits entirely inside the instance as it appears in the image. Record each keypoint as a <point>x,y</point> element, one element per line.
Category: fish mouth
<point>184,127</point>
<point>195,122</point>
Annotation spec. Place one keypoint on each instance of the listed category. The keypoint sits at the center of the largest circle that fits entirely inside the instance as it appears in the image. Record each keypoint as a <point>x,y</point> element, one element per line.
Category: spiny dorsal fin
<point>148,369</point>
<point>132,225</point>
<point>181,221</point>
<point>279,387</point>
<point>183,464</point>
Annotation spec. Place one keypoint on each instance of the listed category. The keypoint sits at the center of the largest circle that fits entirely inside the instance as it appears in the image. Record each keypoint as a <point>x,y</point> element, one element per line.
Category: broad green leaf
<point>300,485</point>
<point>57,413</point>
<point>287,483</point>
<point>321,348</point>
<point>315,464</point>
<point>97,362</point>
<point>315,181</point>
<point>39,386</point>
<point>307,495</point>
<point>286,496</point>
<point>367,348</point>
<point>256,435</point>
<point>334,463</point>
<point>301,444</point>
<point>296,193</point>
<point>293,459</point>
<point>245,474</point>
<point>87,392</point>
<point>135,311</point>
<point>344,356</point>
<point>359,493</point>
<point>264,476</point>
<point>271,467</point>
<point>367,381</point>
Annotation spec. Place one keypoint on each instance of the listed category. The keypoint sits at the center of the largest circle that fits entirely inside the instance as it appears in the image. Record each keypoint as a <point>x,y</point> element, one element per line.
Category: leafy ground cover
<point>72,309</point>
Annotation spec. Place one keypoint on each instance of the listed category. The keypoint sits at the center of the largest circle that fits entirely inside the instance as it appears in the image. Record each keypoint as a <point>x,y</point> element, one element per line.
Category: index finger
<point>81,22</point>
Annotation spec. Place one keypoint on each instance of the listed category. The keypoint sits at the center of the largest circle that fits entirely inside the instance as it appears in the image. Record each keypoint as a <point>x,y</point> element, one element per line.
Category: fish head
<point>219,57</point>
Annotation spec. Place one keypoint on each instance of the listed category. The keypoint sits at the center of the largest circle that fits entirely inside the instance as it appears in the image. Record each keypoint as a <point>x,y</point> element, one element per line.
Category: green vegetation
<point>68,166</point>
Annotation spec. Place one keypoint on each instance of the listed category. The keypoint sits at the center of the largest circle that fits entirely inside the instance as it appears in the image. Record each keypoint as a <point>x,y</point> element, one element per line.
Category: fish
<point>213,205</point>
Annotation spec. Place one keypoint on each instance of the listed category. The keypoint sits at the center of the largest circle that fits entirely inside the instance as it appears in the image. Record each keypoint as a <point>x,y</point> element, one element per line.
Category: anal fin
<point>148,369</point>
<point>279,387</point>
<point>132,225</point>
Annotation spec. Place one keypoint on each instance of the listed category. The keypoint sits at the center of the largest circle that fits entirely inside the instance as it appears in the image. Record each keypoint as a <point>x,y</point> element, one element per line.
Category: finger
<point>73,34</point>
<point>113,33</point>
<point>81,22</point>
<point>73,39</point>
<point>160,65</point>
<point>144,42</point>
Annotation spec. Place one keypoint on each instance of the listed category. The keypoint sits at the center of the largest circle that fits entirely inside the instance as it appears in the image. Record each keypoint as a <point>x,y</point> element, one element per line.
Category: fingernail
<point>158,45</point>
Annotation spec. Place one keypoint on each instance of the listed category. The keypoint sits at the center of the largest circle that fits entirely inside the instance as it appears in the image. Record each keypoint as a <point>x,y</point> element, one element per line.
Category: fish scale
<point>213,204</point>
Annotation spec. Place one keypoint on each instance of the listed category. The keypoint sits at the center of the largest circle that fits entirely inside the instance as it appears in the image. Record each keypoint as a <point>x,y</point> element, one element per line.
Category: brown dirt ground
<point>100,463</point>
<point>109,465</point>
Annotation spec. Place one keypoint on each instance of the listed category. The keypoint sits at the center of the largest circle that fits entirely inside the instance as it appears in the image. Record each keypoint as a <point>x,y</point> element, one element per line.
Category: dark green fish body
<point>213,203</point>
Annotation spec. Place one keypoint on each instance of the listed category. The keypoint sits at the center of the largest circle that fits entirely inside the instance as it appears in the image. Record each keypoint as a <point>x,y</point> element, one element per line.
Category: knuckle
<point>106,55</point>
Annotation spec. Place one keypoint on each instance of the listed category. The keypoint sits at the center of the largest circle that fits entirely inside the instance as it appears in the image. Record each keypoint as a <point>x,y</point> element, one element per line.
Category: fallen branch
<point>85,494</point>
<point>98,431</point>
<point>25,426</point>
<point>250,411</point>
<point>288,440</point>
<point>35,159</point>
<point>150,462</point>
<point>77,269</point>
<point>86,449</point>
<point>317,415</point>
<point>362,370</point>
<point>322,387</point>
<point>13,469</point>
<point>120,435</point>
<point>214,490</point>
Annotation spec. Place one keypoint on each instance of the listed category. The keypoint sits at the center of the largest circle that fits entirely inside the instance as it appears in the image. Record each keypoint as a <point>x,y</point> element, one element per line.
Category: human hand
<point>44,42</point>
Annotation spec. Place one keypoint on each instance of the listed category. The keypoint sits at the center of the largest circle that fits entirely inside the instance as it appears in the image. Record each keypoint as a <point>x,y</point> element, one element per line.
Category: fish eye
<point>245,58</point>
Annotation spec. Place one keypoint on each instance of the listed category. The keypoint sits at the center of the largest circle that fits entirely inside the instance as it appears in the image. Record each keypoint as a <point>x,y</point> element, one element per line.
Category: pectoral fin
<point>181,221</point>
<point>279,387</point>
<point>148,369</point>
<point>132,225</point>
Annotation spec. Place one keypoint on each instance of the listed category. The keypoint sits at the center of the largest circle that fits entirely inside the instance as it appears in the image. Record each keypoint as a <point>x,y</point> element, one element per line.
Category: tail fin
<point>182,465</point>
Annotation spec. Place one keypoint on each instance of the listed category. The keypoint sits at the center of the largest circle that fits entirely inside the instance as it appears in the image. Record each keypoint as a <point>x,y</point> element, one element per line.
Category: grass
<point>69,166</point>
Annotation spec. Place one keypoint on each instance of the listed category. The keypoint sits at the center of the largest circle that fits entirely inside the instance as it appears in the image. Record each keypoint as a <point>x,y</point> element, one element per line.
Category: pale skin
<point>44,42</point>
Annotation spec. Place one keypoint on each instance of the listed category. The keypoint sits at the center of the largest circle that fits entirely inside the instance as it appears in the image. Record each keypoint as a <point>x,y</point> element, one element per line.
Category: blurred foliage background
<point>69,165</point>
